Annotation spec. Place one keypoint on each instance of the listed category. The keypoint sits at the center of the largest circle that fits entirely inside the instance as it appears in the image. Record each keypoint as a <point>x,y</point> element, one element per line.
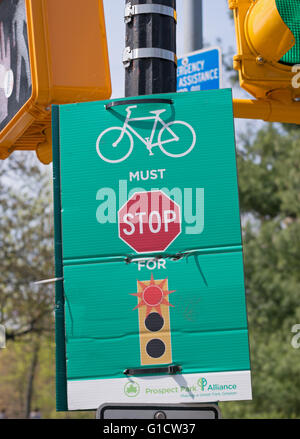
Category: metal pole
<point>151,28</point>
<point>193,25</point>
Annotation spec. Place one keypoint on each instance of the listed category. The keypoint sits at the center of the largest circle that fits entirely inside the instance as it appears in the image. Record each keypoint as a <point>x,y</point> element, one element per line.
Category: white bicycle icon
<point>126,130</point>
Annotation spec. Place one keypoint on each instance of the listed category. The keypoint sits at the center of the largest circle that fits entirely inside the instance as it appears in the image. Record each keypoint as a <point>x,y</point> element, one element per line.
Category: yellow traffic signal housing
<point>264,38</point>
<point>51,51</point>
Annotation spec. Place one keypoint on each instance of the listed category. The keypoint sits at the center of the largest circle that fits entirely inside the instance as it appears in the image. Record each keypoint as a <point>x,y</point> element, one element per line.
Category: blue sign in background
<point>200,70</point>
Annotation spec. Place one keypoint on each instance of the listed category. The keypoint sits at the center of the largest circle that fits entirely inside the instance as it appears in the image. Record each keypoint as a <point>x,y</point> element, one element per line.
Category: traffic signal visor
<point>51,51</point>
<point>268,40</point>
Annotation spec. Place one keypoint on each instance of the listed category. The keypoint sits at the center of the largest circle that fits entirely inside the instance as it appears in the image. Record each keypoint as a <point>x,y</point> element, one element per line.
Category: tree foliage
<point>269,184</point>
<point>26,247</point>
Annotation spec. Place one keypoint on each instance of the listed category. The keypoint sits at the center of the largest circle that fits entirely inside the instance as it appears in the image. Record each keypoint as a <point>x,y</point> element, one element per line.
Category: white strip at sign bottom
<point>186,388</point>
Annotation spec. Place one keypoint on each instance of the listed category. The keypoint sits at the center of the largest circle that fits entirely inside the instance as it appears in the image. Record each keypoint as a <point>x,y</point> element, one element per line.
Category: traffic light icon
<point>268,41</point>
<point>154,321</point>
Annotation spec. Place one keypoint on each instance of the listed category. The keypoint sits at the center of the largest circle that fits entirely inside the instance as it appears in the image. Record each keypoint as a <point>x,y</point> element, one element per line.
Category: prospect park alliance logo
<point>132,389</point>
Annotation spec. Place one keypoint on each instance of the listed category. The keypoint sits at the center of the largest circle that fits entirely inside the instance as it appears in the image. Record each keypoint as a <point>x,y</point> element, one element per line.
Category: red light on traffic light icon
<point>154,321</point>
<point>153,295</point>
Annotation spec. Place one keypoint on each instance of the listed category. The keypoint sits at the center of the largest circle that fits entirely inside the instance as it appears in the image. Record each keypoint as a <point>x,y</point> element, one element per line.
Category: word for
<point>152,264</point>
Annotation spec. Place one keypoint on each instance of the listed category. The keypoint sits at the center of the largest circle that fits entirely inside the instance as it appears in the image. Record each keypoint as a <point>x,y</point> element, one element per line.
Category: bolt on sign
<point>152,307</point>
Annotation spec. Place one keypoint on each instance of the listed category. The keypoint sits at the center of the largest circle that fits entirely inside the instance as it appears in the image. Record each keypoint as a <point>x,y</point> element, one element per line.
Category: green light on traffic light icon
<point>289,11</point>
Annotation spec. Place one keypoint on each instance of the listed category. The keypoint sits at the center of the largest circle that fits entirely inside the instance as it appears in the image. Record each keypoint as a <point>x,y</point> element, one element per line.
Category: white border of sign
<point>208,49</point>
<point>90,394</point>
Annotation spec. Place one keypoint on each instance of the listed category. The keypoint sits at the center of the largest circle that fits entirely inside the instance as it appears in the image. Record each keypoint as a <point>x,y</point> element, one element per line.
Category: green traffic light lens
<point>290,13</point>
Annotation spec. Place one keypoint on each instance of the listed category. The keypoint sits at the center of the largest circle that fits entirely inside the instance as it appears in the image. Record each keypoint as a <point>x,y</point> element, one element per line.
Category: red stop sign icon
<point>149,221</point>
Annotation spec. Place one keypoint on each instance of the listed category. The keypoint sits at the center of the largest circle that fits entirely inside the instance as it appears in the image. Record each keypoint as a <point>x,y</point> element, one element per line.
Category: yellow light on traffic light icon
<point>154,321</point>
<point>51,51</point>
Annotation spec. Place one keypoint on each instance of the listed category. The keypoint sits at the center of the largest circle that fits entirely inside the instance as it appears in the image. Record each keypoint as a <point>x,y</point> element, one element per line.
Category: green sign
<point>148,242</point>
<point>198,171</point>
